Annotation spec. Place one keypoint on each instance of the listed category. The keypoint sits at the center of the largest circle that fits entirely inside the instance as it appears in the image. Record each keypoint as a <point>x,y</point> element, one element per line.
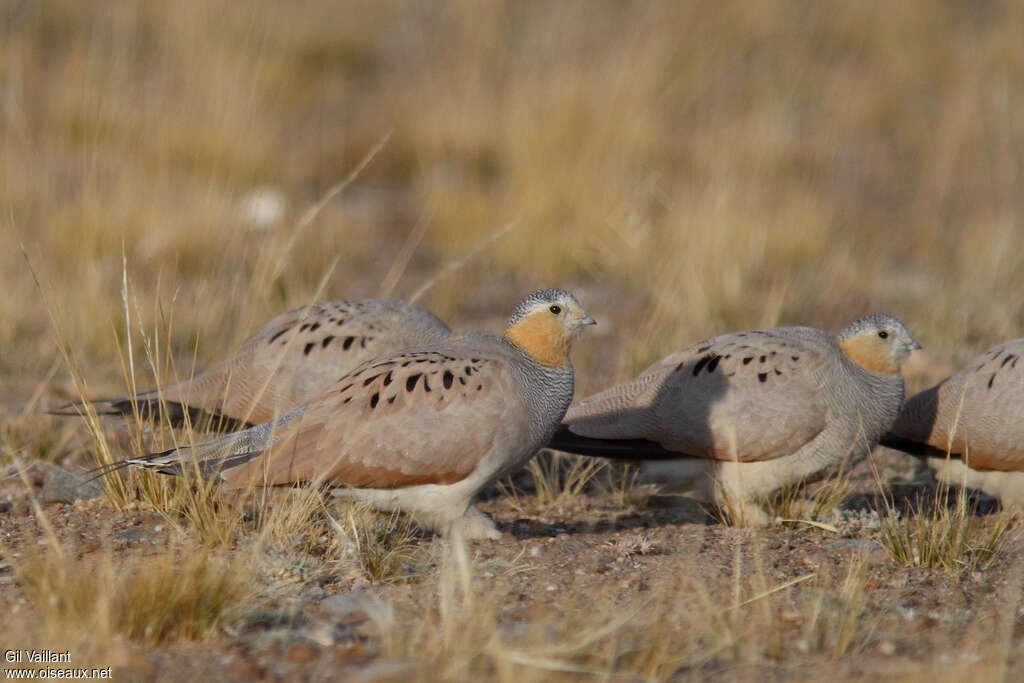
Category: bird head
<point>878,343</point>
<point>545,323</point>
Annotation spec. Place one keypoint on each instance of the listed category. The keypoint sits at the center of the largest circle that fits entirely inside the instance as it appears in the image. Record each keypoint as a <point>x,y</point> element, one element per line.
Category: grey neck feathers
<point>876,398</point>
<point>548,392</point>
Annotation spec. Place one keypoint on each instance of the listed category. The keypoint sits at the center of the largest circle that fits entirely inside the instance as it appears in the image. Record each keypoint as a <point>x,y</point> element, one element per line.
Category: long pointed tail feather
<point>141,461</point>
<point>619,449</point>
<point>207,468</point>
<point>152,408</point>
<point>176,461</point>
<point>101,406</point>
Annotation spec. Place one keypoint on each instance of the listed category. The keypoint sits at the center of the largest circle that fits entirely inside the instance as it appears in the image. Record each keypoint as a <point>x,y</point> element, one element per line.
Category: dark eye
<point>555,309</point>
<point>883,334</point>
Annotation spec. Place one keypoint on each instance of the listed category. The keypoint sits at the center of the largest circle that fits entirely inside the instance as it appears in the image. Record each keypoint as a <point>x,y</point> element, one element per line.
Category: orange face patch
<point>542,337</point>
<point>870,352</point>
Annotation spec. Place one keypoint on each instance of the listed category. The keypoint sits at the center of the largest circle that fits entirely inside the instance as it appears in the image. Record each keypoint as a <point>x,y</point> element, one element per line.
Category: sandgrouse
<point>287,363</point>
<point>421,430</point>
<point>969,425</point>
<point>739,416</point>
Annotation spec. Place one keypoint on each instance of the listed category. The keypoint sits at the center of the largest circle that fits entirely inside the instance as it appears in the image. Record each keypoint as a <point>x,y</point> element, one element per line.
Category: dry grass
<point>558,477</point>
<point>555,483</point>
<point>805,502</point>
<point>461,636</point>
<point>183,594</point>
<point>671,153</point>
<point>939,532</point>
<point>686,628</point>
<point>686,632</point>
<point>618,484</point>
<point>382,545</point>
<point>687,169</point>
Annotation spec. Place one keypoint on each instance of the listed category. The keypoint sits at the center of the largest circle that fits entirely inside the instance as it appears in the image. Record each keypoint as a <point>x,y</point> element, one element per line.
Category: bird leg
<point>474,525</point>
<point>746,513</point>
<point>438,508</point>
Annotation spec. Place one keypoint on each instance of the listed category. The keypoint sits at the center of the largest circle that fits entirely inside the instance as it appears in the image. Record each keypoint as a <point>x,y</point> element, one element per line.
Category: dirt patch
<point>585,559</point>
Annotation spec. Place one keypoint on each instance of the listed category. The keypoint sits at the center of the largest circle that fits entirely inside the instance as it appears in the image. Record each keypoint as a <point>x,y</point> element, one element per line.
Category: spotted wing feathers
<point>974,412</point>
<point>291,360</point>
<point>745,396</point>
<point>421,417</point>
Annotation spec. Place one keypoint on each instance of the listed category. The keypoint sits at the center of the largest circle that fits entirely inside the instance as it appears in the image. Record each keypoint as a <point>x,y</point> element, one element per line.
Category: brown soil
<point>563,561</point>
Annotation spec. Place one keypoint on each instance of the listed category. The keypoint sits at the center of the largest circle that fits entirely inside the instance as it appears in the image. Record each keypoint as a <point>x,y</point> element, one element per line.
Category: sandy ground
<point>562,560</point>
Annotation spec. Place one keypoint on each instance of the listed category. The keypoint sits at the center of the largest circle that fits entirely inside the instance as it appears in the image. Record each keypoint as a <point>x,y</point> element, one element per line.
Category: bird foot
<point>746,513</point>
<point>474,525</point>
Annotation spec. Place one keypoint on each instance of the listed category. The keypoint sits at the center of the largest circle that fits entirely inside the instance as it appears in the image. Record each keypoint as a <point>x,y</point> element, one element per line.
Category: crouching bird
<point>421,430</point>
<point>737,417</point>
<point>293,359</point>
<point>970,426</point>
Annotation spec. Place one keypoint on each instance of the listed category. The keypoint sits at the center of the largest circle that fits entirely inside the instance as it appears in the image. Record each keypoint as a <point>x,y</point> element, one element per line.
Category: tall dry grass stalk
<point>665,155</point>
<point>98,602</point>
<point>687,631</point>
<point>806,502</point>
<point>183,594</point>
<point>944,531</point>
<point>558,477</point>
<point>688,168</point>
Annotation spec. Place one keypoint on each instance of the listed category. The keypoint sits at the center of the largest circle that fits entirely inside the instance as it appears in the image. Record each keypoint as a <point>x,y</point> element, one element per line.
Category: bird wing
<point>744,396</point>
<point>290,360</point>
<point>419,417</point>
<point>974,412</point>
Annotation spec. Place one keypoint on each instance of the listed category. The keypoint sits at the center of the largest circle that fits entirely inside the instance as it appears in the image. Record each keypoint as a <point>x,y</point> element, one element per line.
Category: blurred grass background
<point>687,168</point>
